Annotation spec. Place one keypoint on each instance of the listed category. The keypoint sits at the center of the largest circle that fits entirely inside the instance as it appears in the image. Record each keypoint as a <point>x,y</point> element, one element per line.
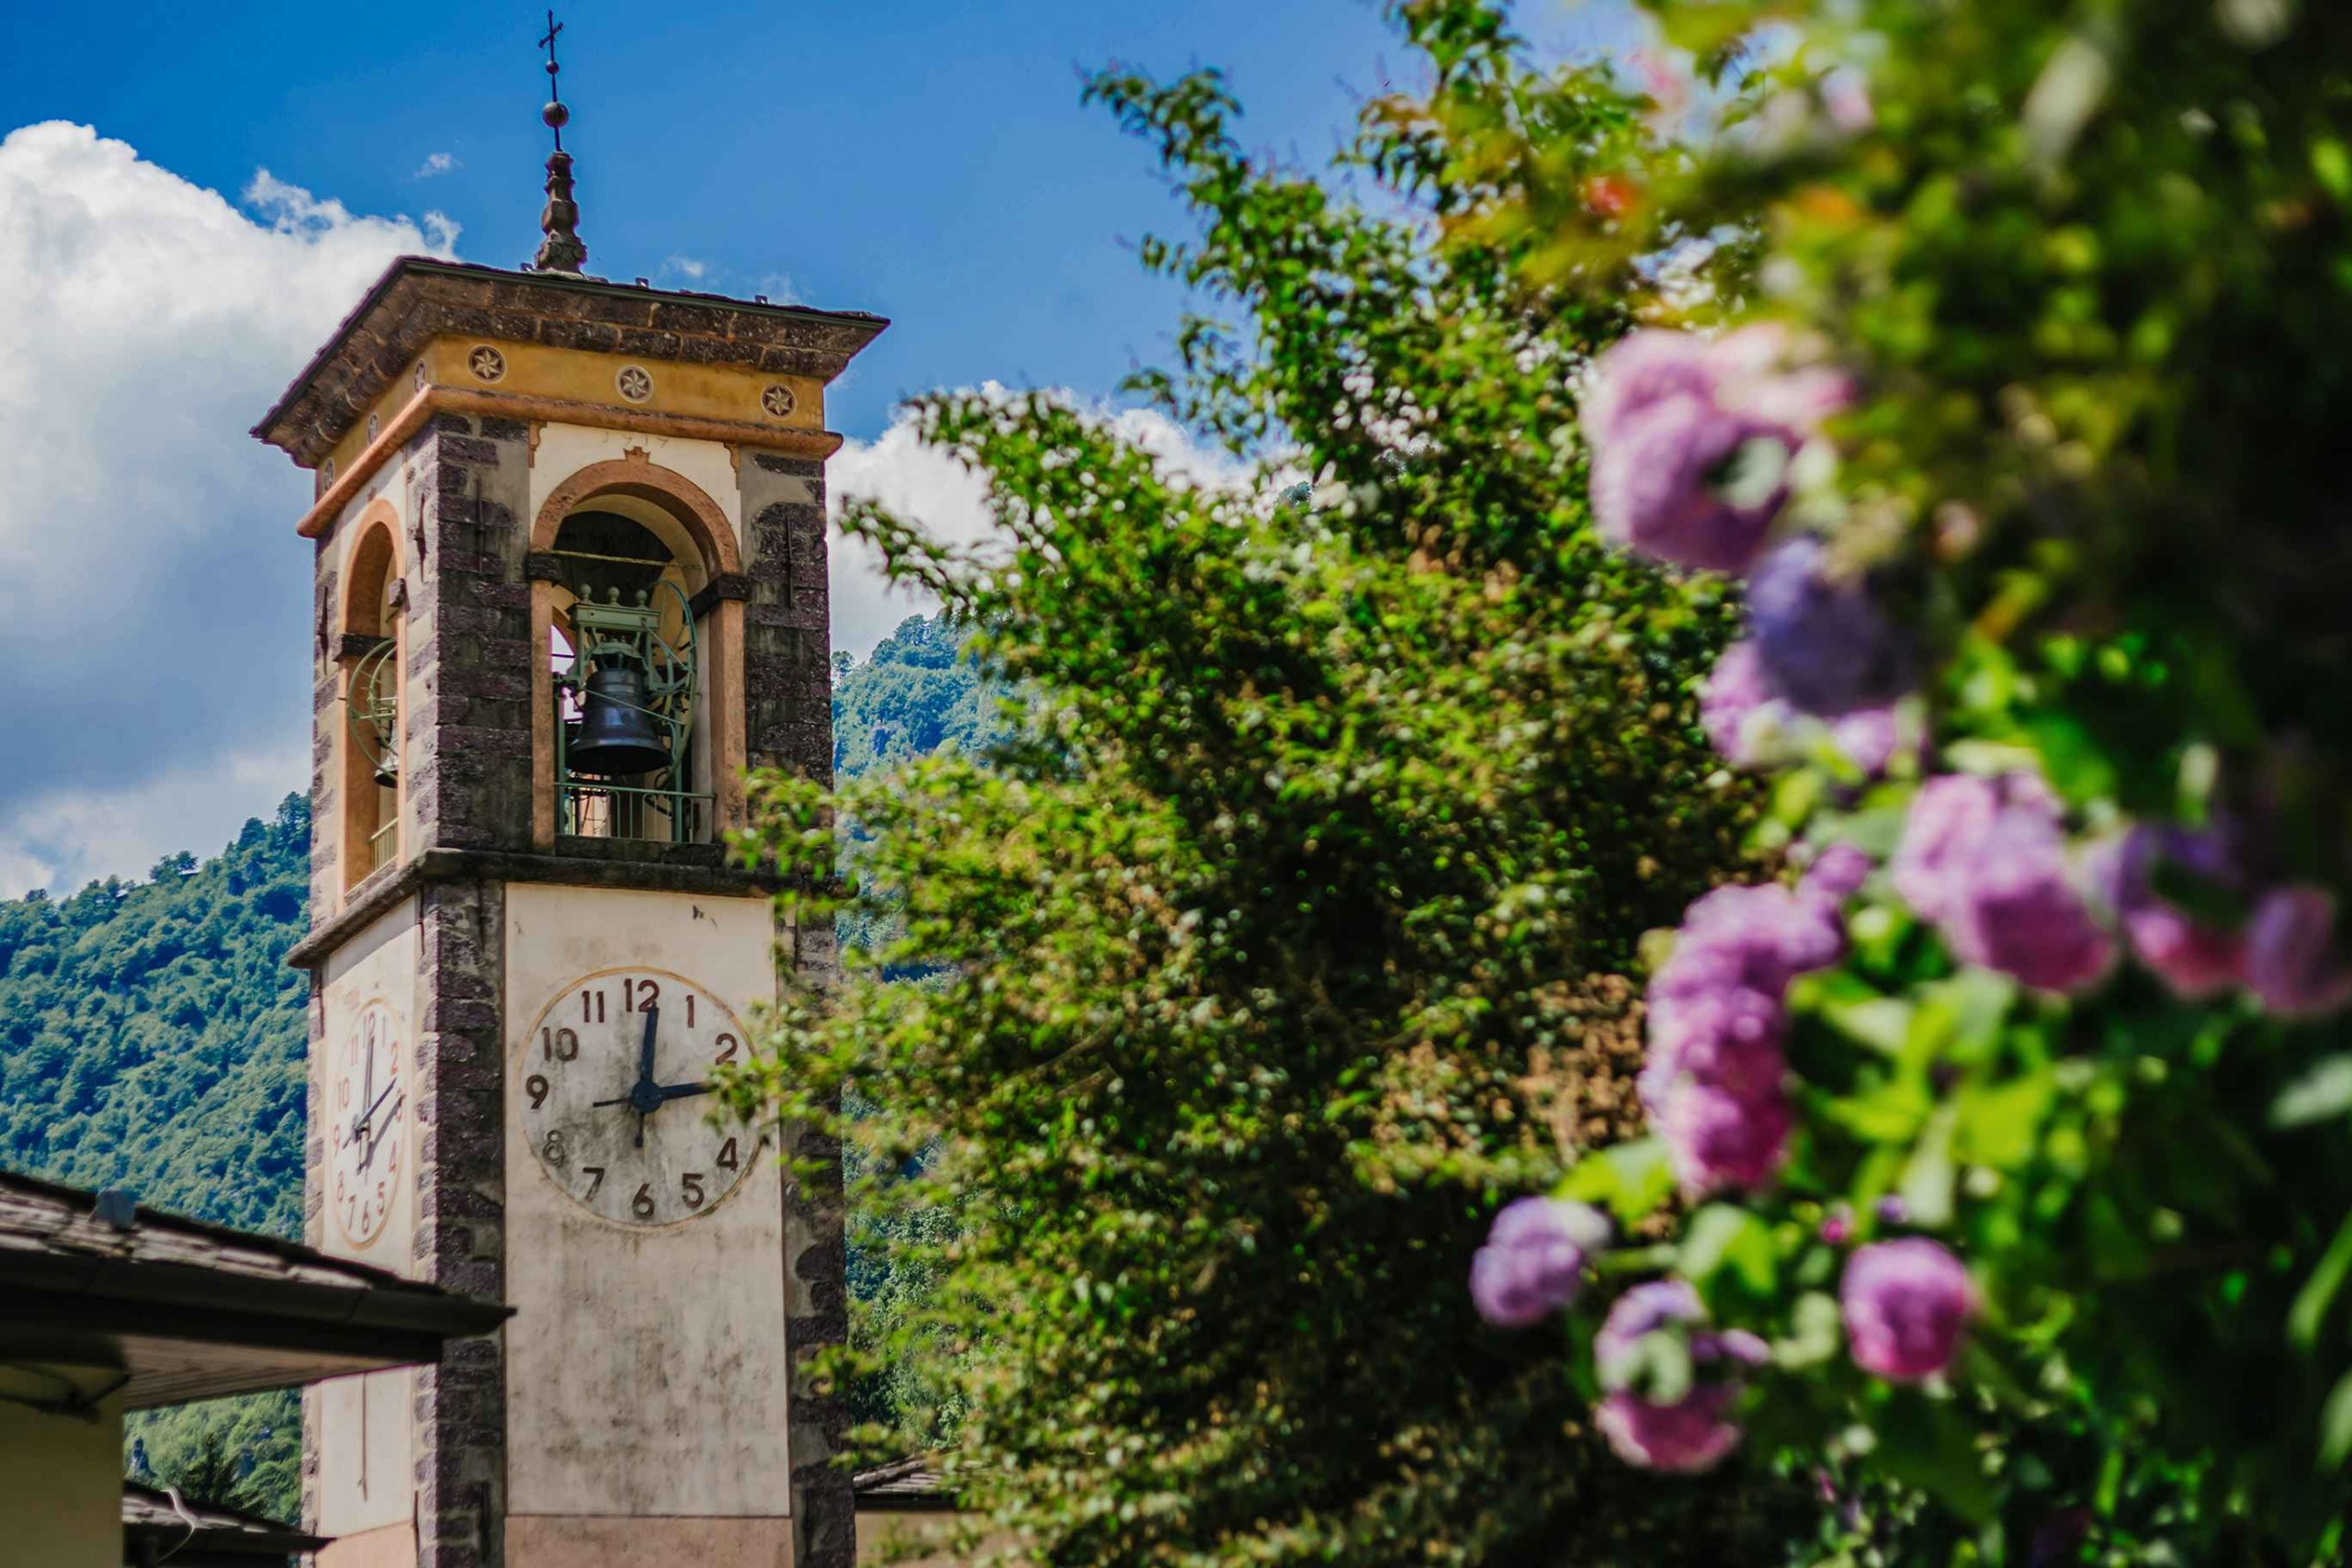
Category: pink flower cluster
<point>1986,859</point>
<point>1749,720</point>
<point>1533,1261</point>
<point>1693,1432</point>
<point>1906,1303</point>
<point>1713,1084</point>
<point>1692,438</point>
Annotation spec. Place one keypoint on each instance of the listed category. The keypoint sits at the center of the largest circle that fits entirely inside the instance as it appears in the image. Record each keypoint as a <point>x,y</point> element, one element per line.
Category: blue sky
<point>926,160</point>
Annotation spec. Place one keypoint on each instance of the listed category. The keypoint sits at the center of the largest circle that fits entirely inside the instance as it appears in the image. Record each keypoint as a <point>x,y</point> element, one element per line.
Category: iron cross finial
<point>555,114</point>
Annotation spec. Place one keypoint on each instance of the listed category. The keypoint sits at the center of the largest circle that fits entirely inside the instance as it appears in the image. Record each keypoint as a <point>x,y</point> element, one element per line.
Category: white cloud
<point>687,266</point>
<point>437,163</point>
<point>926,486</point>
<point>154,599</point>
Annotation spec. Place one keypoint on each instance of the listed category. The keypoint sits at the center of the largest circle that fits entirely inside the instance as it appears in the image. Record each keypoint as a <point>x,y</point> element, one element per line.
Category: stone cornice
<point>419,299</point>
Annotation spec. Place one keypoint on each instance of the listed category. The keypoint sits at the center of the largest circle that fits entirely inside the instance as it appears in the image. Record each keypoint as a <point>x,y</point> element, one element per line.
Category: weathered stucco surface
<point>364,1425</point>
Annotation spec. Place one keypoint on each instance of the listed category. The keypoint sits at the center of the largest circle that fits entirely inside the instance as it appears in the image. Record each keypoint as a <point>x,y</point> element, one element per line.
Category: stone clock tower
<point>571,583</point>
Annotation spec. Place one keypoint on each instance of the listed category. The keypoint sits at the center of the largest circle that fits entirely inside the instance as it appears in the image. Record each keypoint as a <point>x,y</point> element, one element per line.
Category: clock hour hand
<point>645,1051</point>
<point>367,1117</point>
<point>683,1090</point>
<point>376,1138</point>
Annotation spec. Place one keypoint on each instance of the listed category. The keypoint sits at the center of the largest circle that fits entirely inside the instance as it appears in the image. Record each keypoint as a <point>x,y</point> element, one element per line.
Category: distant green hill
<point>152,1036</point>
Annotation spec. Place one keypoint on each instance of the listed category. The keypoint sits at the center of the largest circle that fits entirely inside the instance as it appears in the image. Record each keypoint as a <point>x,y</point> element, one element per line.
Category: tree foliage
<point>1287,927</point>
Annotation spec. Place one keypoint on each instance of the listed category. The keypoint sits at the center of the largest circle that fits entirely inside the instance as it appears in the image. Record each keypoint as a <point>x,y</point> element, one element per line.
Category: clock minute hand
<point>645,1051</point>
<point>376,1138</point>
<point>683,1090</point>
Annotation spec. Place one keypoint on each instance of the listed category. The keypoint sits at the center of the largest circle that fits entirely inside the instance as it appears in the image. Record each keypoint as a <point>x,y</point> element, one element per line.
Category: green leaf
<point>1960,1019</point>
<point>2308,1312</point>
<point>2324,1091</point>
<point>1927,1185</point>
<point>2335,1426</point>
<point>1816,1332</point>
<point>1632,1180</point>
<point>1925,1442</point>
<point>1725,1236</point>
<point>1997,1124</point>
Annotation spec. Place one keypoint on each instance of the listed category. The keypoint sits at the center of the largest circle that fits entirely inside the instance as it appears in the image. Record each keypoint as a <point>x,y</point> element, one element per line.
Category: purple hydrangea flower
<point>1713,1081</point>
<point>1836,875</point>
<point>2293,963</point>
<point>1906,1303</point>
<point>1719,1139</point>
<point>1693,1432</point>
<point>2194,960</point>
<point>2021,912</point>
<point>1823,644</point>
<point>1667,415</point>
<point>1735,702</point>
<point>1751,724</point>
<point>1533,1261</point>
<point>1985,861</point>
<point>1838,1225</point>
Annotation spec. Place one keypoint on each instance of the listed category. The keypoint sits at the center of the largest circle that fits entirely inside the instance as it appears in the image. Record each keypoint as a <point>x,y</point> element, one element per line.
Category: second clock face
<point>367,1113</point>
<point>612,1085</point>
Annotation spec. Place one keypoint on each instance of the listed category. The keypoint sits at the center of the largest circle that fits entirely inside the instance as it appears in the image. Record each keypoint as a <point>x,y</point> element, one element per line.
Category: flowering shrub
<point>2012,1137</point>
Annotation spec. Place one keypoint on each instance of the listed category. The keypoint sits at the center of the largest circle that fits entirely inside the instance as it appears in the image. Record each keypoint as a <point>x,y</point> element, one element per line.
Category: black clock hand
<point>367,1117</point>
<point>369,1157</point>
<point>645,1051</point>
<point>683,1090</point>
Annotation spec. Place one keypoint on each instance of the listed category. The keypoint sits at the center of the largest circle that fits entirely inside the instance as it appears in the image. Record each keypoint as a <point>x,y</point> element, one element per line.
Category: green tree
<point>1284,928</point>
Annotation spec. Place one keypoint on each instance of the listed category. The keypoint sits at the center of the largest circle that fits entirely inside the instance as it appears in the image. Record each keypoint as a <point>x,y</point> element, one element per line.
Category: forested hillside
<point>152,1035</point>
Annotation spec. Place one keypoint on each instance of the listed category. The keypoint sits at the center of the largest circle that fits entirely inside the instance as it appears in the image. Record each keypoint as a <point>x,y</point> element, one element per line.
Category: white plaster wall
<point>61,1488</point>
<point>366,1441</point>
<point>565,449</point>
<point>646,1370</point>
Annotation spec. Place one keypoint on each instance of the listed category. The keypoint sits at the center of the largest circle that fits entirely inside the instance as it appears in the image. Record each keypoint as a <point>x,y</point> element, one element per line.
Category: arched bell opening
<point>626,674</point>
<point>369,658</point>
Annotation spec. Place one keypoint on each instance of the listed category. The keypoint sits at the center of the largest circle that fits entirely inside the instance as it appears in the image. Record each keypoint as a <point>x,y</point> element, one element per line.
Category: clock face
<point>366,1118</point>
<point>612,1082</point>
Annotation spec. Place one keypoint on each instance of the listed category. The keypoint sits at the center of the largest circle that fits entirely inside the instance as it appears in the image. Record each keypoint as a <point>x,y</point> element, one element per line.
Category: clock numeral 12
<point>639,996</point>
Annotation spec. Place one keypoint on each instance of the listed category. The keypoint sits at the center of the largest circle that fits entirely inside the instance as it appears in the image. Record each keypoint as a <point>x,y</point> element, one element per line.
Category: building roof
<point>157,1528</point>
<point>908,1484</point>
<point>419,299</point>
<point>99,1296</point>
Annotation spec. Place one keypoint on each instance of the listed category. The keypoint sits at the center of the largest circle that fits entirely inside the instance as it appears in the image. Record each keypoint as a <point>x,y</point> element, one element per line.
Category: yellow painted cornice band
<point>533,408</point>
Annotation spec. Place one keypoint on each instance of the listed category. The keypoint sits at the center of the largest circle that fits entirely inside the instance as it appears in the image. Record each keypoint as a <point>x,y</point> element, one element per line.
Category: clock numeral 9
<point>690,1189</point>
<point>559,1044</point>
<point>642,1205</point>
<point>537,1087</point>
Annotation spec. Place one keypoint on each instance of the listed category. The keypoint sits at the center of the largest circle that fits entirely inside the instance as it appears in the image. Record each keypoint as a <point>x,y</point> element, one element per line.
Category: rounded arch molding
<point>639,475</point>
<point>379,515</point>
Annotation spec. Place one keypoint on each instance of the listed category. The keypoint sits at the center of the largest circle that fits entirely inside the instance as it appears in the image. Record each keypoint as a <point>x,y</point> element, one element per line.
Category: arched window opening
<point>371,688</point>
<point>625,662</point>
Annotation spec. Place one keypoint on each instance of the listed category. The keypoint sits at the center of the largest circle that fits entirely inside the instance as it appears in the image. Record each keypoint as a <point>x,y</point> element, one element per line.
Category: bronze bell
<point>388,770</point>
<point>617,737</point>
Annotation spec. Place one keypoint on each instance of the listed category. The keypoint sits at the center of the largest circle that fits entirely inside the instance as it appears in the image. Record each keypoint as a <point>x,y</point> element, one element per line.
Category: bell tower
<point>570,545</point>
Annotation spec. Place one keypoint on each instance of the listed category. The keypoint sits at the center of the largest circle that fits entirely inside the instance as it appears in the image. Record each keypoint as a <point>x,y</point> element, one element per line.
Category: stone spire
<point>562,249</point>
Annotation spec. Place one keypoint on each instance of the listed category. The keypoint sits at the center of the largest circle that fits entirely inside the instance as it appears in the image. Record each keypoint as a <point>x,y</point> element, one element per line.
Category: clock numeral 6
<point>690,1187</point>
<point>642,1205</point>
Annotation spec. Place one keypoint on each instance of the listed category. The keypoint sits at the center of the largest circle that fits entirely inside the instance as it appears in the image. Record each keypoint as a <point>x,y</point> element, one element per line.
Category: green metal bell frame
<point>611,635</point>
<point>375,703</point>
